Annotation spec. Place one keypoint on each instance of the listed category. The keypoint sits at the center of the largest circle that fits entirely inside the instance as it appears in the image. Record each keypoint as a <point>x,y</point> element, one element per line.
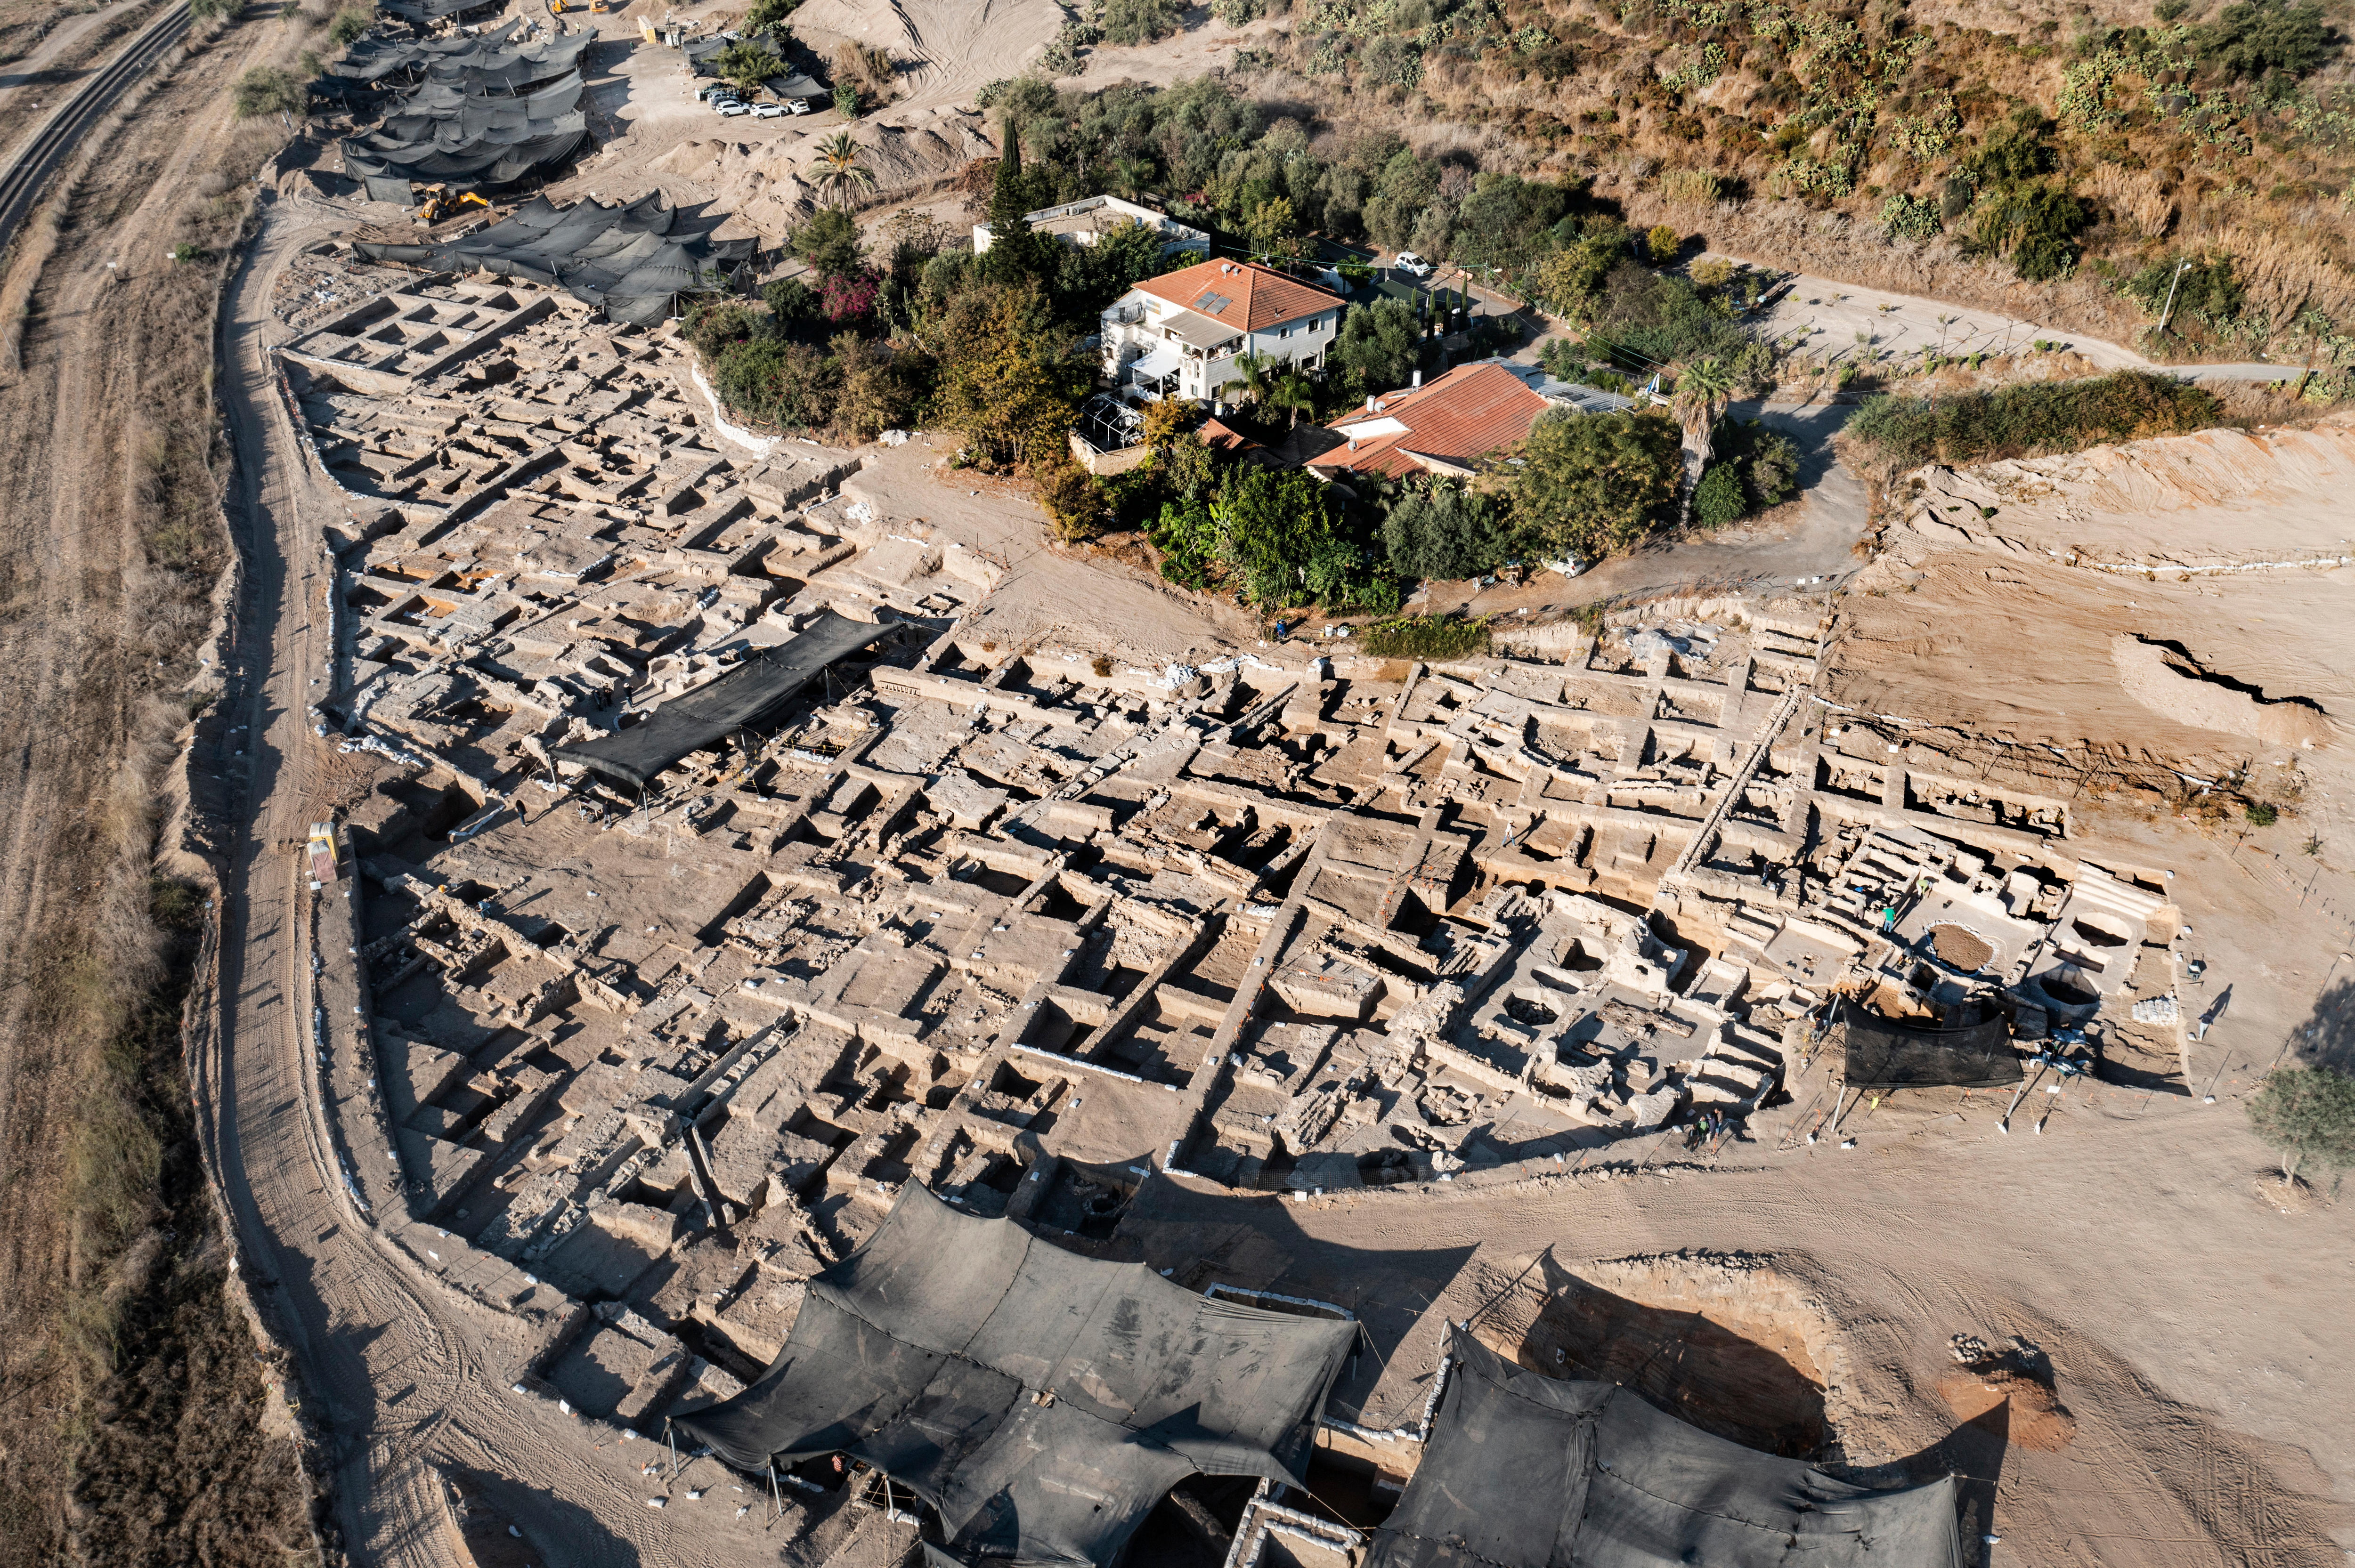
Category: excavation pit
<point>1732,1350</point>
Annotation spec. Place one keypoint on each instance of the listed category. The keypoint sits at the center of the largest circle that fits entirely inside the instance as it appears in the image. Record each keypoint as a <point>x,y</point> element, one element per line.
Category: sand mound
<point>2035,1419</point>
<point>945,48</point>
<point>768,183</point>
<point>2218,500</point>
<point>2167,681</point>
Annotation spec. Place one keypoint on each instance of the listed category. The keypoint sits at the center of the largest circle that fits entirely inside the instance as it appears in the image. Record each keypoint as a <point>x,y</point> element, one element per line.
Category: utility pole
<point>2181,268</point>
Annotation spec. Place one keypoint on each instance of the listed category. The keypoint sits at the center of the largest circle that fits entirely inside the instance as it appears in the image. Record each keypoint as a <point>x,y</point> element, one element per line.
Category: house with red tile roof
<point>1179,335</point>
<point>1448,425</point>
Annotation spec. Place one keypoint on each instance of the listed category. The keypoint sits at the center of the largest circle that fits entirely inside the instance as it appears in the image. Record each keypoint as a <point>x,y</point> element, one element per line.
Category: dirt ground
<point>2194,1332</point>
<point>97,647</point>
<point>1843,323</point>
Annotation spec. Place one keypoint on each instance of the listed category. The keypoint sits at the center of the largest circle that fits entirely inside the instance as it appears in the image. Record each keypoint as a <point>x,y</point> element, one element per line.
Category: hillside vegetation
<point>2048,163</point>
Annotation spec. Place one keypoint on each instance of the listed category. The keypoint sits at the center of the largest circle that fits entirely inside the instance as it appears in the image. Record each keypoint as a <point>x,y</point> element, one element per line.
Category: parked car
<point>731,108</point>
<point>768,111</point>
<point>1410,264</point>
<point>797,106</point>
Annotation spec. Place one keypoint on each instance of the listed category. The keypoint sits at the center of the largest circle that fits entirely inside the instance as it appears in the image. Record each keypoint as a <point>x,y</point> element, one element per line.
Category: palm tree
<point>840,172</point>
<point>1292,390</point>
<point>1253,379</point>
<point>1703,389</point>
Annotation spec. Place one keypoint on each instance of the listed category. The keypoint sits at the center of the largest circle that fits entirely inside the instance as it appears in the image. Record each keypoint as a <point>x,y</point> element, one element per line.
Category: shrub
<point>2035,227</point>
<point>266,90</point>
<point>1718,499</point>
<point>1438,529</point>
<point>1910,217</point>
<point>1073,501</point>
<point>2268,37</point>
<point>846,100</point>
<point>1662,243</point>
<point>2262,815</point>
<point>1141,21</point>
<point>1691,187</point>
<point>347,26</point>
<point>2207,287</point>
<point>1435,636</point>
<point>1237,12</point>
<point>2032,418</point>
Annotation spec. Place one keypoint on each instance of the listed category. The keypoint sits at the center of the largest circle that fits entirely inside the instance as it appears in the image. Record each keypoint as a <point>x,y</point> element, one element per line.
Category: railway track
<point>46,153</point>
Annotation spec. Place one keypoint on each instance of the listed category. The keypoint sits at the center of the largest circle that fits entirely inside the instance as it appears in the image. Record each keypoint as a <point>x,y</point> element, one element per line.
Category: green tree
<point>350,23</point>
<point>1273,228</point>
<point>768,15</point>
<point>1292,391</point>
<point>828,241</point>
<point>1270,523</point>
<point>994,384</point>
<point>1438,528</point>
<point>838,170</point>
<point>1016,251</point>
<point>744,66</point>
<point>1662,243</point>
<point>266,90</point>
<point>1703,389</point>
<point>1591,484</point>
<point>1570,281</point>
<point>2308,1113</point>
<point>1379,344</point>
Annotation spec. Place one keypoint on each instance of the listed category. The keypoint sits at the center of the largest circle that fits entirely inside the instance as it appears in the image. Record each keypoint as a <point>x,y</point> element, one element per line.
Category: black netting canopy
<point>1883,1053</point>
<point>1528,1471</point>
<point>1041,1401</point>
<point>634,260</point>
<point>746,697</point>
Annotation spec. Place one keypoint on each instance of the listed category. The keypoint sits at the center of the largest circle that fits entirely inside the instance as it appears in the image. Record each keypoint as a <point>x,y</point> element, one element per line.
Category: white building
<point>1083,222</point>
<point>1178,334</point>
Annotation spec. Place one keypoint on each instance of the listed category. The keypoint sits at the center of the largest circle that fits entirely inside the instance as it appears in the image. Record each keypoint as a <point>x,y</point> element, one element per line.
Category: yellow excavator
<point>441,202</point>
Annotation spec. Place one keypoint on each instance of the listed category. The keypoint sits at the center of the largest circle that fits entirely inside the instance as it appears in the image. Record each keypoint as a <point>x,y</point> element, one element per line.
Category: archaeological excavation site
<point>969,785</point>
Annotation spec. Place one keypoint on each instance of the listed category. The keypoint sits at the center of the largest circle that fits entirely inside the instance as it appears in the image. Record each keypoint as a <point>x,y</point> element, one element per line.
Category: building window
<point>1284,332</point>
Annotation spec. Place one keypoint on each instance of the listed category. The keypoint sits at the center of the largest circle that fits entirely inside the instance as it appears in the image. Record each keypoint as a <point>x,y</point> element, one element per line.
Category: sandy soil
<point>1204,46</point>
<point>1084,599</point>
<point>1823,319</point>
<point>757,169</point>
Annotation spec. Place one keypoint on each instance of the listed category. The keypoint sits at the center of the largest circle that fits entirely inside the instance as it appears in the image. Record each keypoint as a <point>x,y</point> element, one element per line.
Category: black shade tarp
<point>743,698</point>
<point>633,261</point>
<point>1043,1402</point>
<point>1883,1053</point>
<point>1528,1471</point>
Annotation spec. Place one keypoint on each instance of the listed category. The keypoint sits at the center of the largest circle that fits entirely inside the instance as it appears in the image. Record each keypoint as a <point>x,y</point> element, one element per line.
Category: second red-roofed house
<point>1447,427</point>
<point>1179,335</point>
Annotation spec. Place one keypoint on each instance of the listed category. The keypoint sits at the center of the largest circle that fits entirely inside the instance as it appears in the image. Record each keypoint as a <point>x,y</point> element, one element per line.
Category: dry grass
<point>130,1375</point>
<point>2136,198</point>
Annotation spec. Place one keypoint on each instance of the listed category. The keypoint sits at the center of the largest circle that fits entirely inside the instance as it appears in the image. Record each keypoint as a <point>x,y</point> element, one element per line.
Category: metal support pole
<point>671,1437</point>
<point>2005,1124</point>
<point>776,1496</point>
